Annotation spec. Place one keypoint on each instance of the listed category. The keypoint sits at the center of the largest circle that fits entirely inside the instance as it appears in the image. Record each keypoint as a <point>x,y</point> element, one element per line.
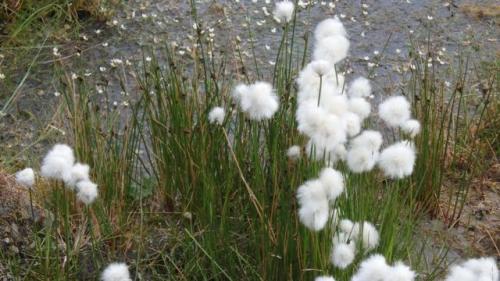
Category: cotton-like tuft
<point>411,127</point>
<point>26,177</point>
<point>459,273</point>
<point>324,278</point>
<point>309,84</point>
<point>57,161</point>
<point>352,123</point>
<point>400,272</point>
<point>360,107</point>
<point>293,152</point>
<point>328,28</point>
<point>330,154</point>
<point>361,159</point>
<point>395,111</point>
<point>258,100</point>
<point>397,161</point>
<point>347,226</point>
<point>284,11</point>
<point>314,208</point>
<point>332,49</point>
<point>369,139</point>
<point>333,182</point>
<point>369,236</point>
<point>342,255</point>
<point>321,67</point>
<point>373,268</point>
<point>87,192</point>
<point>216,115</point>
<point>359,88</point>
<point>78,172</point>
<point>116,272</point>
<point>335,104</point>
<point>483,268</point>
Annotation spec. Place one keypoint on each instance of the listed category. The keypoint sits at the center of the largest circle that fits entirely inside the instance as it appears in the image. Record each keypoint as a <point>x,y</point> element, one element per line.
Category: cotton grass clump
<point>397,161</point>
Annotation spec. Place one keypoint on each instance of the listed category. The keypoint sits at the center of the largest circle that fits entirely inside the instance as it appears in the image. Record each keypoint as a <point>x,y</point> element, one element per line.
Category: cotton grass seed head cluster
<point>257,100</point>
<point>375,268</point>
<point>59,164</point>
<point>26,177</point>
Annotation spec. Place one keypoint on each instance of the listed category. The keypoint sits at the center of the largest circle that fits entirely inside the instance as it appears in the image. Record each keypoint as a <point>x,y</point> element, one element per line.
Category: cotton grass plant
<point>285,177</point>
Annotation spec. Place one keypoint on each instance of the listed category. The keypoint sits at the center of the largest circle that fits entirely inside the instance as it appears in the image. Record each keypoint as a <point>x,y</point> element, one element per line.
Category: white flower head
<point>333,182</point>
<point>26,177</point>
<point>335,104</point>
<point>483,268</point>
<point>293,152</point>
<point>352,123</point>
<point>411,127</point>
<point>347,226</point>
<point>321,67</point>
<point>361,159</point>
<point>324,278</point>
<point>57,161</point>
<point>369,235</point>
<point>258,100</point>
<point>216,115</point>
<point>309,82</point>
<point>87,191</point>
<point>284,11</point>
<point>314,209</point>
<point>332,49</point>
<point>394,111</point>
<point>342,255</point>
<point>360,107</point>
<point>400,272</point>
<point>116,272</point>
<point>397,161</point>
<point>328,28</point>
<point>360,88</point>
<point>369,139</point>
<point>78,172</point>
<point>373,268</point>
<point>459,273</point>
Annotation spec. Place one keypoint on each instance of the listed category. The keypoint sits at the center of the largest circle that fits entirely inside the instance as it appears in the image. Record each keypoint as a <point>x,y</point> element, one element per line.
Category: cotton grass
<point>116,272</point>
<point>26,177</point>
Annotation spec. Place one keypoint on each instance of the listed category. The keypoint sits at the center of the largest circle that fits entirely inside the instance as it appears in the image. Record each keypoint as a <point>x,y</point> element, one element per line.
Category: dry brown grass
<point>481,11</point>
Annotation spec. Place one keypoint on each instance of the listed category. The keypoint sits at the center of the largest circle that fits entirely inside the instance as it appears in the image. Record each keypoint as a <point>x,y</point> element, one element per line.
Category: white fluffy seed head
<point>216,115</point>
<point>411,127</point>
<point>78,172</point>
<point>321,67</point>
<point>347,226</point>
<point>26,177</point>
<point>314,208</point>
<point>333,182</point>
<point>369,236</point>
<point>352,123</point>
<point>395,111</point>
<point>284,11</point>
<point>400,272</point>
<point>258,100</point>
<point>293,152</point>
<point>116,272</point>
<point>459,273</point>
<point>484,268</point>
<point>57,161</point>
<point>332,49</point>
<point>360,88</point>
<point>397,161</point>
<point>369,139</point>
<point>361,159</point>
<point>309,83</point>
<point>342,255</point>
<point>360,107</point>
<point>324,278</point>
<point>328,28</point>
<point>335,104</point>
<point>87,191</point>
<point>373,268</point>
